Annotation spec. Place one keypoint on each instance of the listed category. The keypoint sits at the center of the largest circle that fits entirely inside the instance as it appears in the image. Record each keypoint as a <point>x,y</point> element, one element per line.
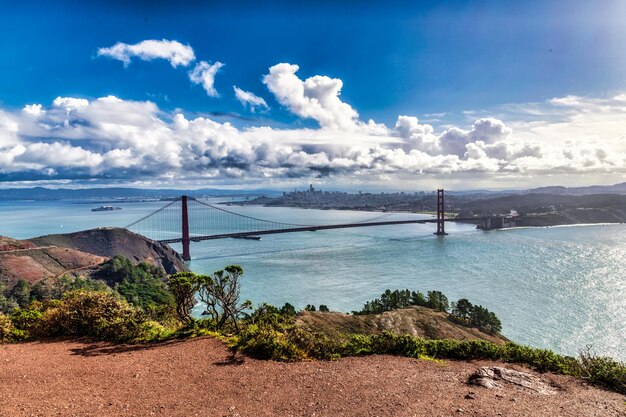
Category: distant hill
<point>121,193</point>
<point>54,255</point>
<point>40,193</point>
<point>552,209</point>
<point>112,241</point>
<point>594,189</point>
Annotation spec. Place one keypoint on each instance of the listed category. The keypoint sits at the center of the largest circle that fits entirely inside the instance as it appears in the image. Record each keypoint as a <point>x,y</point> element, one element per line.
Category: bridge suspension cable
<point>206,221</point>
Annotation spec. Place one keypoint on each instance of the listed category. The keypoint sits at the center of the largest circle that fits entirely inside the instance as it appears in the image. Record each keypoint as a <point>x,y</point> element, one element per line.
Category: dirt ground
<point>201,378</point>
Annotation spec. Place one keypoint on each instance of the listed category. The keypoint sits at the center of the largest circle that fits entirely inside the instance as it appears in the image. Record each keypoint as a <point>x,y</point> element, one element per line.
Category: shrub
<point>54,288</point>
<point>28,320</point>
<point>270,334</point>
<point>266,342</point>
<point>95,314</point>
<point>6,329</point>
<point>600,370</point>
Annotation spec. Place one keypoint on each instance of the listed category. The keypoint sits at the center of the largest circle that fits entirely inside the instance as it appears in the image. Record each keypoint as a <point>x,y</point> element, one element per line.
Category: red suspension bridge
<point>186,219</point>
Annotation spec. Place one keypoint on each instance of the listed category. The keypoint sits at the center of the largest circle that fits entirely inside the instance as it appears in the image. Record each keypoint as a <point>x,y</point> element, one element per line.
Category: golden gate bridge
<point>187,219</point>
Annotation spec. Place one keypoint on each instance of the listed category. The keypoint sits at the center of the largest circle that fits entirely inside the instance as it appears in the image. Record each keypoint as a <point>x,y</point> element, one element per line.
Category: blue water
<point>561,288</point>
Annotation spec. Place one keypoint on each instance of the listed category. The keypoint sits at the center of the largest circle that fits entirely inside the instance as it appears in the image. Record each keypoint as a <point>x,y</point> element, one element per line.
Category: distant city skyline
<point>344,95</point>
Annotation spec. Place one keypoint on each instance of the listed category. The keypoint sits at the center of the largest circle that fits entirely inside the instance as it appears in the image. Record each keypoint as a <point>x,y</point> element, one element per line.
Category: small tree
<point>485,320</point>
<point>418,299</point>
<point>462,309</point>
<point>183,287</point>
<point>21,293</point>
<point>288,310</point>
<point>309,307</point>
<point>220,292</point>
<point>438,301</point>
<point>323,308</point>
<point>7,304</point>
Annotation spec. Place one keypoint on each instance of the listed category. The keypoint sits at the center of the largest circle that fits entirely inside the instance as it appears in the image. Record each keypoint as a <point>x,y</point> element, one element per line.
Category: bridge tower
<point>185,222</point>
<point>441,228</point>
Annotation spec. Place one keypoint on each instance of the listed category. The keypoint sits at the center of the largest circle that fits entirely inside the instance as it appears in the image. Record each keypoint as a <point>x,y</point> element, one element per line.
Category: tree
<point>418,299</point>
<point>7,304</point>
<point>21,293</point>
<point>309,307</point>
<point>220,292</point>
<point>462,309</point>
<point>183,287</point>
<point>485,320</point>
<point>288,310</point>
<point>323,308</point>
<point>438,301</point>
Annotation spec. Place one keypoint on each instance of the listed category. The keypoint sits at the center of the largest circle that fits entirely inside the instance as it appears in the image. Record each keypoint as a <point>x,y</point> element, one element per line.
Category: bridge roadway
<point>316,228</point>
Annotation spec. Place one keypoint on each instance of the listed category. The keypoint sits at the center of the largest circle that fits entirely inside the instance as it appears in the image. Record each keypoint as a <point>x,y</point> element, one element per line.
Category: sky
<point>345,95</point>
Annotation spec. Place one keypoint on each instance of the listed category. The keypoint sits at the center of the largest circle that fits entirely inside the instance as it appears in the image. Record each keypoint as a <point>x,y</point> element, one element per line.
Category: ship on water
<point>106,208</point>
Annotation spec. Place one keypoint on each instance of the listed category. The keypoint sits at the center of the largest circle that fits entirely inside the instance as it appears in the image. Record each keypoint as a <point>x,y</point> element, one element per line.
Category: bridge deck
<point>313,229</point>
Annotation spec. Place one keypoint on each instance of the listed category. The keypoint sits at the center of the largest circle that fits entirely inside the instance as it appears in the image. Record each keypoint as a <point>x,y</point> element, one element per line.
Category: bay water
<point>561,288</point>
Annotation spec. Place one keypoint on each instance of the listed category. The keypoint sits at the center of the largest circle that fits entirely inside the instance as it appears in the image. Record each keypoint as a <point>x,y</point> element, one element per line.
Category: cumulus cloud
<point>316,97</point>
<point>173,51</point>
<point>247,98</point>
<point>204,73</point>
<point>111,138</point>
<point>417,136</point>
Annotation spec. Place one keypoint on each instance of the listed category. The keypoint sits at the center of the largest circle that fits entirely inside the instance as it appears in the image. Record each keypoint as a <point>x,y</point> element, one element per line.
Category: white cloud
<point>33,109</point>
<point>111,138</point>
<point>68,103</point>
<point>204,73</point>
<point>316,97</point>
<point>247,98</point>
<point>173,51</point>
<point>416,135</point>
<point>9,129</point>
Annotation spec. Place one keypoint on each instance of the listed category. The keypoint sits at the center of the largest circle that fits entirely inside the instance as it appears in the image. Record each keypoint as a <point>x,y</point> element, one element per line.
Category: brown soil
<point>201,378</point>
<point>46,262</point>
<point>416,321</point>
<point>7,243</point>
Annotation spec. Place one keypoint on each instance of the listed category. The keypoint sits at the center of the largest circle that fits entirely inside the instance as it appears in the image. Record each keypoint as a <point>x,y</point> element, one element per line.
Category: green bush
<point>143,285</point>
<point>602,371</point>
<point>28,320</point>
<point>264,341</point>
<point>6,329</point>
<point>95,314</point>
<point>54,288</point>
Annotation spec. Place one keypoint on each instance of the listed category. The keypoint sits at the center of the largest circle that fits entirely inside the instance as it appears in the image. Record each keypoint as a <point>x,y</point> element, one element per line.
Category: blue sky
<point>521,78</point>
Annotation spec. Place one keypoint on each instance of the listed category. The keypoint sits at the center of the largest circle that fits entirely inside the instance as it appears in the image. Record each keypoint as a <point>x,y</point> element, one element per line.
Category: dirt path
<point>201,378</point>
<point>26,249</point>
